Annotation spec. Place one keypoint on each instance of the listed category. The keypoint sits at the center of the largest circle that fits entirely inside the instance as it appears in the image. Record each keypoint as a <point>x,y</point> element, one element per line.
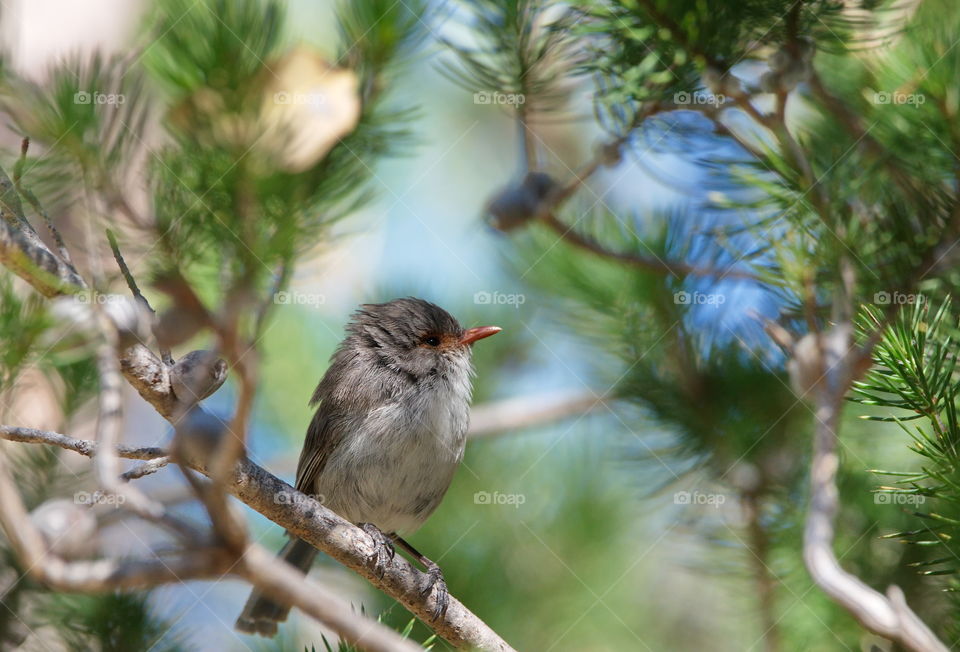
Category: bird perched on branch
<point>387,436</point>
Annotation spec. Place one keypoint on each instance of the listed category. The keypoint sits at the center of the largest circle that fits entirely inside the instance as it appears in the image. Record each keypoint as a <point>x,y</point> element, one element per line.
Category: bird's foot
<point>437,584</point>
<point>383,550</point>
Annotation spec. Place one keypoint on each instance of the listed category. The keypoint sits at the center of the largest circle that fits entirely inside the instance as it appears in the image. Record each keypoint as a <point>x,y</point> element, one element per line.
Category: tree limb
<point>512,414</point>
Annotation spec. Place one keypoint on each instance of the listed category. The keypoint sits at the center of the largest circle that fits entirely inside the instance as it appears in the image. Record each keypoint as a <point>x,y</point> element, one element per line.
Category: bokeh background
<point>590,546</point>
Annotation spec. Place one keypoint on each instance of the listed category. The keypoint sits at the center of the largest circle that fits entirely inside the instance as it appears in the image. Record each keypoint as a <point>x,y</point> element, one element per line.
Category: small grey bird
<point>388,435</point>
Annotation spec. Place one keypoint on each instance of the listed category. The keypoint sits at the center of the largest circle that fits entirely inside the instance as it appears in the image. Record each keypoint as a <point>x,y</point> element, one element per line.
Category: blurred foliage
<point>855,194</point>
<point>523,47</point>
<point>915,379</point>
<point>22,322</point>
<point>116,622</point>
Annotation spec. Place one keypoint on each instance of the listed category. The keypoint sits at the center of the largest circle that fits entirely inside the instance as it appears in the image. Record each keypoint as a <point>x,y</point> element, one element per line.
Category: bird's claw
<point>436,582</point>
<point>383,550</point>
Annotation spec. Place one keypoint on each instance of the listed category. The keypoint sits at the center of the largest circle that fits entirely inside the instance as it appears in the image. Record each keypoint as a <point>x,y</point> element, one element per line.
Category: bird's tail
<point>261,614</point>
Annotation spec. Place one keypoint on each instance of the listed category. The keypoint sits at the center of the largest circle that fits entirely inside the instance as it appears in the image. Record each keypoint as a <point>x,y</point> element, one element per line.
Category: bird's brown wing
<point>316,448</point>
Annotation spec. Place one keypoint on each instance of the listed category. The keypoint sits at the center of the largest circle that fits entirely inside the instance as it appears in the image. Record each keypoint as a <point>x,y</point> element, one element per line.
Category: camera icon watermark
<point>484,298</point>
<point>898,498</point>
<point>287,298</point>
<point>699,98</point>
<point>98,498</point>
<point>98,98</point>
<point>291,498</point>
<point>884,298</point>
<point>684,298</point>
<point>299,99</point>
<point>896,97</point>
<point>96,298</point>
<point>494,97</point>
<point>497,498</point>
<point>698,498</point>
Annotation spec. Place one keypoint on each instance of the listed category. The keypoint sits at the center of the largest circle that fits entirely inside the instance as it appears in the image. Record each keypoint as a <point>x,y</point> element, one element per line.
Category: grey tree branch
<point>135,289</point>
<point>85,447</point>
<point>108,426</point>
<point>512,414</point>
<point>35,203</point>
<point>146,468</point>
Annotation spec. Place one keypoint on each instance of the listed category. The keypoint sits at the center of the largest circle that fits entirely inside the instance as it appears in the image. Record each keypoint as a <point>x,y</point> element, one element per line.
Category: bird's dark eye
<point>432,340</point>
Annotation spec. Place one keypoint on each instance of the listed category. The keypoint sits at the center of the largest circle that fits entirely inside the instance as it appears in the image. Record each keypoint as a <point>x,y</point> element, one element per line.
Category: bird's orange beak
<point>471,335</point>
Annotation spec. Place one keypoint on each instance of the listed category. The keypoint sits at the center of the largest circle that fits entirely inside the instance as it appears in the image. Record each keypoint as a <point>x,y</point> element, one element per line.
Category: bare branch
<point>134,289</point>
<point>85,447</point>
<point>650,264</point>
<point>25,254</point>
<point>146,468</point>
<point>527,411</point>
<point>35,203</point>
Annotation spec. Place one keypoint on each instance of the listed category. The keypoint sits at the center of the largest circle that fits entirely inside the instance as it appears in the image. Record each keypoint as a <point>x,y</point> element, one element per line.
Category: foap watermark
<point>98,498</point>
<point>98,98</point>
<point>897,299</point>
<point>898,498</point>
<point>484,298</point>
<point>698,498</point>
<point>699,98</point>
<point>895,97</point>
<point>301,99</point>
<point>497,498</point>
<point>684,298</point>
<point>495,97</point>
<point>287,298</point>
<point>291,498</point>
<point>91,298</point>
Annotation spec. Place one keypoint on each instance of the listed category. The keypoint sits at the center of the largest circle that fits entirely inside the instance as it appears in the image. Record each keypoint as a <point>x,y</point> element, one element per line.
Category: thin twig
<point>145,468</point>
<point>230,449</point>
<point>512,414</point>
<point>650,264</point>
<point>35,203</point>
<point>85,447</point>
<point>134,289</point>
<point>280,279</point>
<point>546,213</point>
